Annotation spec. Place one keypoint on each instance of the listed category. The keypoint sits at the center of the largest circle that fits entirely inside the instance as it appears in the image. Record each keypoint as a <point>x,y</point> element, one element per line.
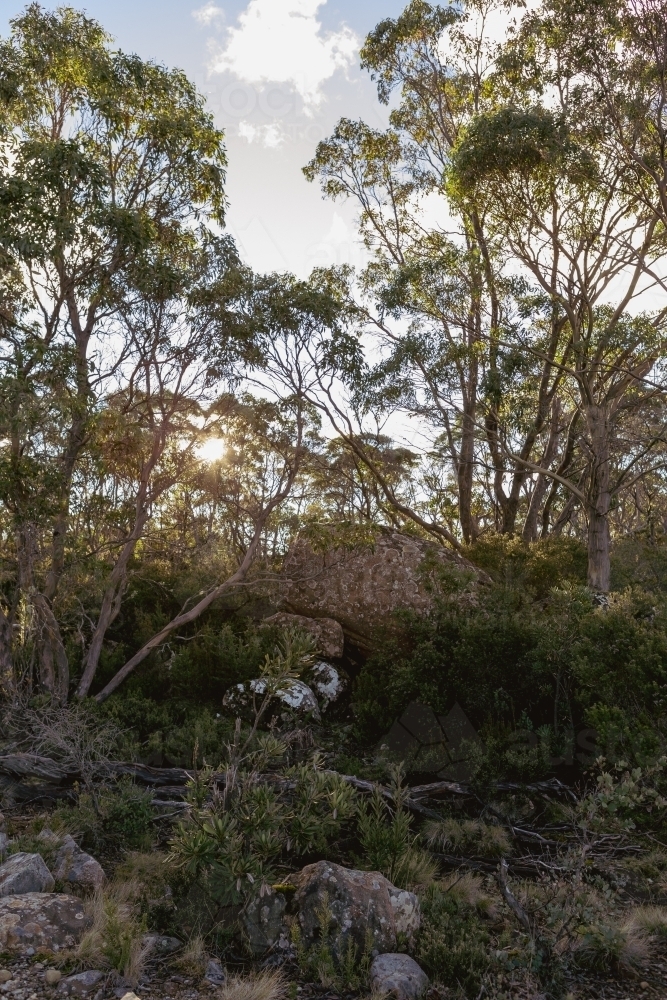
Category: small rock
<point>48,837</point>
<point>52,977</point>
<point>159,944</point>
<point>129,996</point>
<point>22,873</point>
<point>215,974</point>
<point>75,866</point>
<point>398,975</point>
<point>81,983</point>
<point>5,976</point>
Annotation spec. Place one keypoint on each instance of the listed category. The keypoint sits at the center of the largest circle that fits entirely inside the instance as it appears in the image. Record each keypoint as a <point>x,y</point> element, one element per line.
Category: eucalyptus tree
<point>107,164</point>
<point>577,218</point>
<point>434,290</point>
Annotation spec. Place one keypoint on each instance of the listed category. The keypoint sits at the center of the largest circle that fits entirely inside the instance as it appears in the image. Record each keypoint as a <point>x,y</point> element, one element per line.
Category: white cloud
<point>280,41</point>
<point>208,13</point>
<point>268,135</point>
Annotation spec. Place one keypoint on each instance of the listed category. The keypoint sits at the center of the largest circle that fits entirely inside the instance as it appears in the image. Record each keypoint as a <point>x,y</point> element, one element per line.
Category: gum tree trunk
<point>598,426</point>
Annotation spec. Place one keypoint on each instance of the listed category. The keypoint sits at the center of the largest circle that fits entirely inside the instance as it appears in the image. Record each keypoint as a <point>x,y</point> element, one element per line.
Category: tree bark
<point>7,678</point>
<point>465,471</point>
<point>541,485</point>
<point>599,496</point>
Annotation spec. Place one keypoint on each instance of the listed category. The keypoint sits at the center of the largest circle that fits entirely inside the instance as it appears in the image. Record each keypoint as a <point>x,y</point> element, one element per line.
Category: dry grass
<point>603,946</point>
<point>469,836</point>
<point>269,985</point>
<point>469,890</point>
<point>194,958</point>
<point>114,939</point>
<point>414,870</point>
<point>647,920</point>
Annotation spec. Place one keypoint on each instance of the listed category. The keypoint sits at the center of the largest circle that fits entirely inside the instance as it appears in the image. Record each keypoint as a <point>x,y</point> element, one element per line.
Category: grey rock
<point>48,837</point>
<point>41,920</point>
<point>264,922</point>
<point>364,908</point>
<point>215,974</point>
<point>22,873</point>
<point>160,944</point>
<point>292,702</point>
<point>80,984</point>
<point>75,866</point>
<point>362,587</point>
<point>327,632</point>
<point>398,975</point>
<point>327,682</point>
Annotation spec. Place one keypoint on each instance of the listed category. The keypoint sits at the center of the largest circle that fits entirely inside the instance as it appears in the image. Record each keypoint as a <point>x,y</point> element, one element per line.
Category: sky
<point>277,75</point>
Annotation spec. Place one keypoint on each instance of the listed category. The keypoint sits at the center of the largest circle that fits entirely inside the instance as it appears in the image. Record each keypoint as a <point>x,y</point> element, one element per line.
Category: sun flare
<point>212,450</point>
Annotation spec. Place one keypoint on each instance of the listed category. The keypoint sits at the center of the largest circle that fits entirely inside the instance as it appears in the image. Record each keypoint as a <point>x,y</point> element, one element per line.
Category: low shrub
<point>453,946</point>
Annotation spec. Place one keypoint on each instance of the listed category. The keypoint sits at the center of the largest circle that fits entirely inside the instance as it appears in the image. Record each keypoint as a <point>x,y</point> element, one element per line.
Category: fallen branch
<point>511,900</point>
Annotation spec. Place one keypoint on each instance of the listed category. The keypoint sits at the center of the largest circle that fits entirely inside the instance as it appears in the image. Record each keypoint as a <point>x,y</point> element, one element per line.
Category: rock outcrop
<point>362,587</point>
<point>40,920</point>
<point>22,873</point>
<point>399,976</point>
<point>362,908</point>
<point>76,867</point>
<point>327,633</point>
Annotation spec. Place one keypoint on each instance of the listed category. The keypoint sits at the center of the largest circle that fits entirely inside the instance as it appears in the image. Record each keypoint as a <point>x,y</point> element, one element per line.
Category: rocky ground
<point>32,979</point>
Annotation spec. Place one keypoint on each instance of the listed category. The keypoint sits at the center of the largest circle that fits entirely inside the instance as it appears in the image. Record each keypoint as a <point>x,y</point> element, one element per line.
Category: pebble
<point>52,976</point>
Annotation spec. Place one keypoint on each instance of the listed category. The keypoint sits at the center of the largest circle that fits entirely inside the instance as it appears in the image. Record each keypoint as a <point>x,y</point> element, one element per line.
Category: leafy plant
<point>388,843</point>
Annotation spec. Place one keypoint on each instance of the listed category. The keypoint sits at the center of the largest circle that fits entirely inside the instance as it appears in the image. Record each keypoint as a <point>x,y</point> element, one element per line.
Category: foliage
<point>386,839</point>
<point>121,815</point>
<point>453,942</point>
<point>530,675</point>
<point>327,961</point>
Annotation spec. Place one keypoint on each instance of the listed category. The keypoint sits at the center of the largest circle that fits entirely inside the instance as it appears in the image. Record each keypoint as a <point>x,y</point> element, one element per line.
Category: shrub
<point>453,942</point>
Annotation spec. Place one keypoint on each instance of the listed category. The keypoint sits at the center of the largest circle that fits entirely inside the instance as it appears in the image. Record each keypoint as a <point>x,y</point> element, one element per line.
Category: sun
<point>212,450</point>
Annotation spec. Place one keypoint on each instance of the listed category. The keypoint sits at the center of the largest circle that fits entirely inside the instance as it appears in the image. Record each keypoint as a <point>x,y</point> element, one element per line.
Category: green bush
<point>545,669</point>
<point>453,945</point>
<point>119,816</point>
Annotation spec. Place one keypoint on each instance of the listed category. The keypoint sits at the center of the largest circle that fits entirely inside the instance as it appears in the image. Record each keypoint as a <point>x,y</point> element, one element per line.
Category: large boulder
<point>399,976</point>
<point>76,867</point>
<point>362,909</point>
<point>293,702</point>
<point>327,633</point>
<point>41,920</point>
<point>25,873</point>
<point>362,587</point>
<point>264,922</point>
